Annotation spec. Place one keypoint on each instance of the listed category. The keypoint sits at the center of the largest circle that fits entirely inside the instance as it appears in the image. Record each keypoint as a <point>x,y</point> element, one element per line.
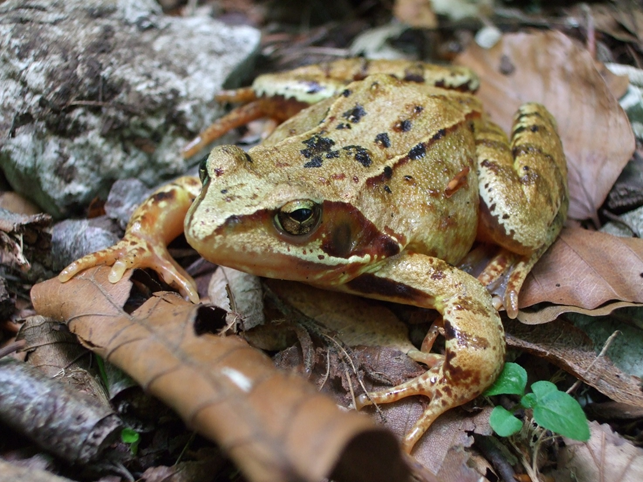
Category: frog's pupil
<point>301,215</point>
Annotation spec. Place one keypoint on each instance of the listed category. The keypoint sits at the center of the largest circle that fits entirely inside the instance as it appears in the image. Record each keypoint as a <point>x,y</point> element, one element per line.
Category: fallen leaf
<point>568,347</point>
<point>606,456</point>
<point>416,13</point>
<point>551,312</point>
<point>274,425</point>
<point>552,69</point>
<point>245,290</point>
<point>355,320</point>
<point>586,269</point>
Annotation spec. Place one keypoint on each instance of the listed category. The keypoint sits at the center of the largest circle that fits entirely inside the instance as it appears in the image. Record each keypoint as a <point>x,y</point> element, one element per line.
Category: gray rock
<point>631,225</point>
<point>72,239</point>
<point>97,90</point>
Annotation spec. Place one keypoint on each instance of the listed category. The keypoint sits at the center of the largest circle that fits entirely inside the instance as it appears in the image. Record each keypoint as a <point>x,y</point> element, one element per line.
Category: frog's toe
<point>173,275</point>
<point>105,257</point>
<point>431,384</point>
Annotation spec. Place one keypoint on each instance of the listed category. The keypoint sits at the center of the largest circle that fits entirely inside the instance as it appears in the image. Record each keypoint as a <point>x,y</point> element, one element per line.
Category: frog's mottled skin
<point>380,191</point>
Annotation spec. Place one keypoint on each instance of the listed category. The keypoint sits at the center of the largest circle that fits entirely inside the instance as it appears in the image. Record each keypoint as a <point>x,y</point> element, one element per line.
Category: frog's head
<point>278,226</point>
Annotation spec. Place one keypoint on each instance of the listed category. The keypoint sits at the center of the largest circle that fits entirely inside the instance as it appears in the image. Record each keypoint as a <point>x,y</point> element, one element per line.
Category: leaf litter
<point>546,67</point>
<point>221,387</point>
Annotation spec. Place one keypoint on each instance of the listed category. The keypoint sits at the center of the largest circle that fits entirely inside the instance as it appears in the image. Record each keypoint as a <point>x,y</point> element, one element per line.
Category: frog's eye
<point>298,217</point>
<point>203,171</point>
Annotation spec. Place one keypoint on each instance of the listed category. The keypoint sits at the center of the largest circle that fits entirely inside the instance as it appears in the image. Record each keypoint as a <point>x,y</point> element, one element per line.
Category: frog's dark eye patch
<point>298,217</point>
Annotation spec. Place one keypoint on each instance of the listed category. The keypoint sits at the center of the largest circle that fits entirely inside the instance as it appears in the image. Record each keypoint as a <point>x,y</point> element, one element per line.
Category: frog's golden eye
<point>203,171</point>
<point>298,217</point>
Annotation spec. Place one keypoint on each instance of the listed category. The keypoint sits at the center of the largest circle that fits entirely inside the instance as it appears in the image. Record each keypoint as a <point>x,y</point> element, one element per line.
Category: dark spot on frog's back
<point>382,140</point>
<point>360,154</point>
<point>355,114</point>
<point>314,162</point>
<point>346,92</point>
<point>439,135</point>
<point>418,151</point>
<point>403,126</point>
<point>316,145</point>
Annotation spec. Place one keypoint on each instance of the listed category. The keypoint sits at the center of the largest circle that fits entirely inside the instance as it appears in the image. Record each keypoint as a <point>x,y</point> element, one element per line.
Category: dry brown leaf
<point>551,312</point>
<point>245,291</point>
<point>550,68</point>
<point>587,269</point>
<point>355,320</point>
<point>448,435</point>
<point>605,457</point>
<point>274,425</point>
<point>568,347</point>
<point>12,201</point>
<point>416,13</point>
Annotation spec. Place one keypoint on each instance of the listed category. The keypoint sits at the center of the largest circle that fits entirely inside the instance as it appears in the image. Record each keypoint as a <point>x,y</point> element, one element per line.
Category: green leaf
<point>132,438</point>
<point>529,401</point>
<point>503,422</point>
<point>561,413</point>
<point>543,388</point>
<point>512,381</point>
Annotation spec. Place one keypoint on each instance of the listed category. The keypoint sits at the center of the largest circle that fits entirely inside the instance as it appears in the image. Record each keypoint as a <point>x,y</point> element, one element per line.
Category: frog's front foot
<point>132,252</point>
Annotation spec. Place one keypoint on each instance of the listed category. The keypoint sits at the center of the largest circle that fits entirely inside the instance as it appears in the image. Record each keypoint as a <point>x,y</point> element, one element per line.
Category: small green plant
<point>131,438</point>
<point>552,409</point>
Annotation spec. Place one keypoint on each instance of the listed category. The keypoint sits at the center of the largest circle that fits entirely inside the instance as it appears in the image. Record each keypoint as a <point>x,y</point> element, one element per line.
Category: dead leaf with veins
<point>274,425</point>
<point>554,70</point>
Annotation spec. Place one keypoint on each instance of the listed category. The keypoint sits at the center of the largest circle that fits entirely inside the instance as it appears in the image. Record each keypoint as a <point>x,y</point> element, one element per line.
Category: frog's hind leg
<point>523,193</point>
<point>237,117</point>
<point>474,336</point>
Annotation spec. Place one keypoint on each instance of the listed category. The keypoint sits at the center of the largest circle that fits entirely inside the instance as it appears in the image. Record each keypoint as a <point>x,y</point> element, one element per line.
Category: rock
<point>97,90</point>
<point>72,239</point>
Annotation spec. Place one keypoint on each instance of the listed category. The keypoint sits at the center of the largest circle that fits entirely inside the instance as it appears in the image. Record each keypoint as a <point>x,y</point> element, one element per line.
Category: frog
<point>378,190</point>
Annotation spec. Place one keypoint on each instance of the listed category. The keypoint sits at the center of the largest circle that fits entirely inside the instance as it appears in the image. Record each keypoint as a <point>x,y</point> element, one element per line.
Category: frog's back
<point>400,152</point>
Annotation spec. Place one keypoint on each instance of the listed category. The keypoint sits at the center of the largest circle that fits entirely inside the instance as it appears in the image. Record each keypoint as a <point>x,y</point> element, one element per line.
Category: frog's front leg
<point>154,224</point>
<point>475,344</point>
<point>523,193</point>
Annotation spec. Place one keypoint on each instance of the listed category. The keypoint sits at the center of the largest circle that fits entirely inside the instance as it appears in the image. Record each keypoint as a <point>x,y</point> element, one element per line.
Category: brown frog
<point>379,190</point>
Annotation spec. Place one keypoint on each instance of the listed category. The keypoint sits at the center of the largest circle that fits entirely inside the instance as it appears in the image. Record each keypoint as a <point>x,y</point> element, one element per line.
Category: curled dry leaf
<point>551,312</point>
<point>552,69</point>
<point>587,269</point>
<point>274,425</point>
<point>568,347</point>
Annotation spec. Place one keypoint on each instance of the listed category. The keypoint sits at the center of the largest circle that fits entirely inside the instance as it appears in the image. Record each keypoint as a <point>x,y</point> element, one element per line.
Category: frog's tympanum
<point>378,190</point>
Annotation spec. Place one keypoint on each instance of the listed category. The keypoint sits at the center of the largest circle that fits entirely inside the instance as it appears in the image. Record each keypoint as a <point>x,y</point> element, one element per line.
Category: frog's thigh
<point>474,348</point>
<point>523,185</point>
<point>523,194</point>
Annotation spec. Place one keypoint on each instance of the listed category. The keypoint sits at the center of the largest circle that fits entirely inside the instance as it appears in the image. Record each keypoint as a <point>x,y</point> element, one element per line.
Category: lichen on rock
<point>97,90</point>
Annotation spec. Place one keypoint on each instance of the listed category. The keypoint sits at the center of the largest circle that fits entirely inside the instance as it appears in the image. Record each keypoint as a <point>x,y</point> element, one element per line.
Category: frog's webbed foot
<point>474,346</point>
<point>523,194</point>
<point>154,224</point>
<point>134,252</point>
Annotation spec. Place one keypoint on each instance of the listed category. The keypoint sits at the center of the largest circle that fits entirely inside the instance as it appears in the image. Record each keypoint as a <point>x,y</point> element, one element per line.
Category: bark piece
<point>67,424</point>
